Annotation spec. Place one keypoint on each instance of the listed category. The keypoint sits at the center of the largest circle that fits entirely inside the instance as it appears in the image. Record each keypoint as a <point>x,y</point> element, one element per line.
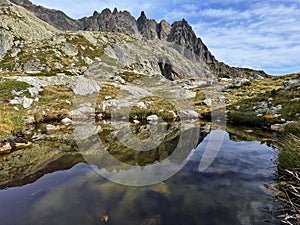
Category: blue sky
<point>257,34</point>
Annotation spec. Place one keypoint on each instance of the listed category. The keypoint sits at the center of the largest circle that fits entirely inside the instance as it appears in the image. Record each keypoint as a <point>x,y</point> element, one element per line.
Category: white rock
<point>152,118</point>
<point>29,119</point>
<point>141,105</point>
<point>277,127</point>
<point>237,107</point>
<point>136,121</point>
<point>66,121</point>
<point>207,102</point>
<point>26,102</point>
<point>50,128</point>
<point>15,101</point>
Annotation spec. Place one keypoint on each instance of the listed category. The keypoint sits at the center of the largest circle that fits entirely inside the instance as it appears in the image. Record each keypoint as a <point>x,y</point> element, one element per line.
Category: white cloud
<point>264,37</point>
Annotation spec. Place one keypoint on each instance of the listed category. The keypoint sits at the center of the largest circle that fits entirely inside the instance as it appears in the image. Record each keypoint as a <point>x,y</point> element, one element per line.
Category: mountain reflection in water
<point>229,191</point>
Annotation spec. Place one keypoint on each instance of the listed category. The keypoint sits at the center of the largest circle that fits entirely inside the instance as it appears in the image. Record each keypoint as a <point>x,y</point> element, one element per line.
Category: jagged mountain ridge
<point>180,33</point>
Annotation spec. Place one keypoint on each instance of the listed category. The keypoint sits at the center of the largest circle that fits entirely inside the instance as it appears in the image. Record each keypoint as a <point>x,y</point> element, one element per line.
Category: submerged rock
<point>155,220</point>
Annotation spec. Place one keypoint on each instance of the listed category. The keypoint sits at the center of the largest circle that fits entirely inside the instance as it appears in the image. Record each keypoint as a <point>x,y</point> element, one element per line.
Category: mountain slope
<point>180,34</point>
<point>18,26</point>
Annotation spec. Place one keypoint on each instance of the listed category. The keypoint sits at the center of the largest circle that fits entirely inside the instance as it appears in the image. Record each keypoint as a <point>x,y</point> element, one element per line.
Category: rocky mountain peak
<point>115,10</point>
<point>143,15</point>
<point>147,28</point>
<point>108,21</point>
<point>180,34</point>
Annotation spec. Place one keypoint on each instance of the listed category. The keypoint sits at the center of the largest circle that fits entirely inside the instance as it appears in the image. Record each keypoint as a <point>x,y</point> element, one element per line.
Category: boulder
<point>291,83</point>
<point>155,220</point>
<point>188,114</point>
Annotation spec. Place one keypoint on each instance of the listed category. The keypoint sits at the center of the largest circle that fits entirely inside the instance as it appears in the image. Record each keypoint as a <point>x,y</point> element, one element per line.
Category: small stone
<point>15,101</point>
<point>29,119</point>
<point>141,105</point>
<point>51,128</point>
<point>66,121</point>
<point>26,102</point>
<point>207,102</point>
<point>136,121</point>
<point>16,108</point>
<point>152,118</point>
<point>5,148</point>
<point>107,97</point>
<point>277,127</point>
<point>172,114</point>
<point>105,218</point>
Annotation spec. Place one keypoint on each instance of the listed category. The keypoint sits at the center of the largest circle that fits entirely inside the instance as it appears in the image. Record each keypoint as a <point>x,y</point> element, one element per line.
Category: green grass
<point>54,100</point>
<point>248,97</point>
<point>289,171</point>
<point>11,120</point>
<point>6,88</point>
<point>156,105</point>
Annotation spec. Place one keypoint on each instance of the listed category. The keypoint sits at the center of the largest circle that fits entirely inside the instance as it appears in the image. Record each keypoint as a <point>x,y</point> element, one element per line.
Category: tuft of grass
<point>55,99</point>
<point>155,105</point>
<point>6,88</point>
<point>107,90</point>
<point>289,172</point>
<point>130,76</point>
<point>11,120</point>
<point>246,118</point>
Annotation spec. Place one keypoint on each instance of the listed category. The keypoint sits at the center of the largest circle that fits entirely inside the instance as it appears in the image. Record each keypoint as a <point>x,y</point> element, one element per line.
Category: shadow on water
<point>231,191</point>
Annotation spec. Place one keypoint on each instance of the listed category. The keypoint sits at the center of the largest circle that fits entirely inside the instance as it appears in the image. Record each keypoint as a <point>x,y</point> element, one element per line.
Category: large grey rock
<point>70,49</point>
<point>291,83</point>
<point>80,85</point>
<point>188,114</point>
<point>6,42</point>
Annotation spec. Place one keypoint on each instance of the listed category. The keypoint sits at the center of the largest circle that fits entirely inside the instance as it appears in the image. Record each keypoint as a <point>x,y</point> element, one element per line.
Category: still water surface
<point>229,192</point>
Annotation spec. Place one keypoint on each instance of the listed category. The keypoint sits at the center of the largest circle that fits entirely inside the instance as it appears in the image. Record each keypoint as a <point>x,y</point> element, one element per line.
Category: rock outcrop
<point>147,28</point>
<point>107,21</point>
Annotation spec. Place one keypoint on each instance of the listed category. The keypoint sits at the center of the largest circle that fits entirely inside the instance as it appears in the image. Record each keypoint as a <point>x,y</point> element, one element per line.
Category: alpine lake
<point>141,174</point>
